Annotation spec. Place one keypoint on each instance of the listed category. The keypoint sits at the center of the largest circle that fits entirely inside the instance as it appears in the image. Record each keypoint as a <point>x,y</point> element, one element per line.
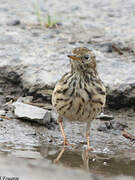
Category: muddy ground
<point>112,155</point>
<point>33,58</point>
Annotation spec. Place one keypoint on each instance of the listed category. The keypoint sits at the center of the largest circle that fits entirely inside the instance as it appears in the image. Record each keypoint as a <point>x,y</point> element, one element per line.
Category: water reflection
<point>97,163</point>
<point>84,162</point>
<point>59,155</point>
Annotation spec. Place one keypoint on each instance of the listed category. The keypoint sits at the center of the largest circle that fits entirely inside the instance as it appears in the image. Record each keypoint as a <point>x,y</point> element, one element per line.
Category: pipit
<point>80,94</point>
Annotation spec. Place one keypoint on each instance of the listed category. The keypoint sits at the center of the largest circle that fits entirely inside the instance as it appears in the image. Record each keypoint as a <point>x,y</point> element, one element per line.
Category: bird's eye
<point>86,57</point>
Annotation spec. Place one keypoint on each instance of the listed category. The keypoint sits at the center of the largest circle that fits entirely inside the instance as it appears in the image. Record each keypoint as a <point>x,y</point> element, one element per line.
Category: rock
<point>105,47</point>
<point>31,113</point>
<point>51,120</point>
<point>26,99</point>
<point>1,91</point>
<point>35,63</point>
<point>122,96</point>
<point>2,113</point>
<point>105,117</point>
<point>14,22</point>
<point>10,98</point>
<point>13,77</point>
<point>102,128</point>
<point>54,116</point>
<point>112,126</point>
<point>46,93</point>
<point>119,125</point>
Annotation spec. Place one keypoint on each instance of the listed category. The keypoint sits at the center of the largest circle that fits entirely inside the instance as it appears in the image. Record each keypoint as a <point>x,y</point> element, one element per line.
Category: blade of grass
<point>49,21</point>
<point>38,14</point>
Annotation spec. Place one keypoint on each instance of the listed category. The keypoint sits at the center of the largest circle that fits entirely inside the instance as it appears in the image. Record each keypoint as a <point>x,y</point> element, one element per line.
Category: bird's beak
<point>73,57</point>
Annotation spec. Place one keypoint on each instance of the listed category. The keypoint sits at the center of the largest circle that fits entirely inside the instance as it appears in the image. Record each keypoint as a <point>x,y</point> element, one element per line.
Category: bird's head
<point>82,59</point>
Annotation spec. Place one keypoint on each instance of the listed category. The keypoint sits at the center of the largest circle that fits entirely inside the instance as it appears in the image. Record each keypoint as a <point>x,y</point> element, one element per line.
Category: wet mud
<point>112,153</point>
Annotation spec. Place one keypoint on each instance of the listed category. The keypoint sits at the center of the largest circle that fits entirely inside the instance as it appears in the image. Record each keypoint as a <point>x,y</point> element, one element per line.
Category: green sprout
<point>50,20</point>
<point>39,14</point>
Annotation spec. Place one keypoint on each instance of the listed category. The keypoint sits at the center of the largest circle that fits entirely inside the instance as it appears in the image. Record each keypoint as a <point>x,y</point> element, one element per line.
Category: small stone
<point>119,125</point>
<point>35,34</point>
<point>50,120</point>
<point>36,114</point>
<point>47,117</point>
<point>81,42</point>
<point>102,128</point>
<point>105,117</point>
<point>26,99</point>
<point>1,119</point>
<point>29,112</point>
<point>106,47</point>
<point>109,125</point>
<point>10,98</point>
<point>72,42</point>
<point>14,22</point>
<point>10,114</point>
<point>1,91</point>
<point>2,113</point>
<point>13,77</point>
<point>54,116</point>
<point>116,126</point>
<point>46,93</point>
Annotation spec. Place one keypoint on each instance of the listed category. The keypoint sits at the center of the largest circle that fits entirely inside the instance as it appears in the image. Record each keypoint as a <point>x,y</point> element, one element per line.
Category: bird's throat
<point>82,69</point>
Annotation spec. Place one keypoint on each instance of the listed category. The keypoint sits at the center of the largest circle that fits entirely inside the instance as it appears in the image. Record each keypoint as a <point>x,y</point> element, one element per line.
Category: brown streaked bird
<point>80,94</point>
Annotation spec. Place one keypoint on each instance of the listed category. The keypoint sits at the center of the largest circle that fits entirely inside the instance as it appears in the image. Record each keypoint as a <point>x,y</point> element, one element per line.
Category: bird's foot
<point>66,143</point>
<point>89,148</point>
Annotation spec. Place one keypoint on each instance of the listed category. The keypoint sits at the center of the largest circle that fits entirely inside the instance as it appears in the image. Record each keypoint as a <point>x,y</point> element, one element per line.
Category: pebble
<point>105,117</point>
<point>116,126</point>
<point>2,113</point>
<point>1,119</point>
<point>31,113</point>
<point>14,22</point>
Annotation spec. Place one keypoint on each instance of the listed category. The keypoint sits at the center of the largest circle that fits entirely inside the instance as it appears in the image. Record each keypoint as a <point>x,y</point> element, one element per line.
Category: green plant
<point>50,20</point>
<point>39,14</point>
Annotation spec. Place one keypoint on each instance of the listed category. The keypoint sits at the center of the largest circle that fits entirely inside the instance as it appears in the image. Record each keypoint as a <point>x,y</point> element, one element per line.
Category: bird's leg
<point>85,158</point>
<point>88,136</point>
<point>59,155</point>
<point>62,131</point>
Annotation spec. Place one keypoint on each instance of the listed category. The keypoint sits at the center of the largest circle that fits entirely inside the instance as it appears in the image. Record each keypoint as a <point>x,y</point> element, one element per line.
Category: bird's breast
<point>79,99</point>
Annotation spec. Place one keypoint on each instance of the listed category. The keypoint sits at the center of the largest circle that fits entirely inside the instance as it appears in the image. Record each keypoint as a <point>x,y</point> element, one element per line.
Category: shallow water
<point>97,163</point>
<point>112,153</point>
